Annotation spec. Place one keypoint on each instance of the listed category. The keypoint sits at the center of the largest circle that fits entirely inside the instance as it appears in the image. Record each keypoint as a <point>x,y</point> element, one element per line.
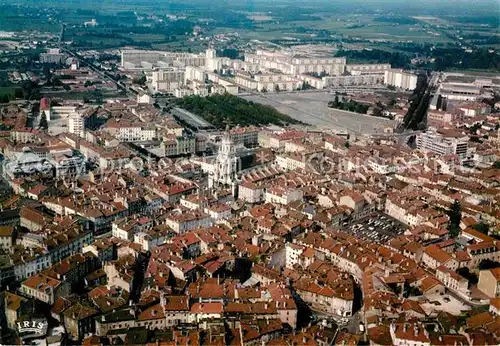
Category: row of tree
<point>222,110</point>
<point>419,101</point>
<point>397,60</point>
<point>350,105</point>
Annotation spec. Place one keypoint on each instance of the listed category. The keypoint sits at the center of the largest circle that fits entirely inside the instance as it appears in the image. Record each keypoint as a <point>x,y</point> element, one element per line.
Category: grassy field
<point>349,26</point>
<point>9,91</point>
<point>147,37</point>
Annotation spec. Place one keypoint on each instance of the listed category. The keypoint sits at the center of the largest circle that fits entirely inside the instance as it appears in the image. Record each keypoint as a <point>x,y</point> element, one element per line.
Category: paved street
<point>352,324</point>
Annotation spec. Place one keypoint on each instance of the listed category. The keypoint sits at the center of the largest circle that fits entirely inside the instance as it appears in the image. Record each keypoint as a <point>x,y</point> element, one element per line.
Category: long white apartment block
<point>400,79</point>
<point>137,58</point>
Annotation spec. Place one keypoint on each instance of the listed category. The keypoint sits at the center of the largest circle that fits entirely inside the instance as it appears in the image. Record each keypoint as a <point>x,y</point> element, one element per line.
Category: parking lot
<point>378,228</point>
<point>312,108</point>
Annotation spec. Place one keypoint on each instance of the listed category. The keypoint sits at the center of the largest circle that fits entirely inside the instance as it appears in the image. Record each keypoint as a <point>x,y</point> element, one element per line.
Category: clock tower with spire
<point>226,164</point>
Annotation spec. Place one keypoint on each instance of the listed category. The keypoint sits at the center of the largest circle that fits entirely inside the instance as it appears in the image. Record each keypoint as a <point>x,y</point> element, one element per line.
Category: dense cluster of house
<point>152,255</point>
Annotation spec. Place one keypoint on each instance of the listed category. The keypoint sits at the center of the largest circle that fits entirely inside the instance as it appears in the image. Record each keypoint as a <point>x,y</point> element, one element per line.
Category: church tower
<point>226,163</point>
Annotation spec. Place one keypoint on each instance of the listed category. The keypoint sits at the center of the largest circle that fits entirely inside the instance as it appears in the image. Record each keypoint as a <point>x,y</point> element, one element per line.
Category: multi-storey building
<point>287,63</point>
<point>367,68</point>
<point>187,221</point>
<point>45,288</point>
<point>443,142</point>
<point>76,125</point>
<point>126,131</point>
<point>400,79</point>
<point>136,58</point>
<point>52,56</point>
<point>247,136</point>
<point>353,80</point>
<point>167,79</point>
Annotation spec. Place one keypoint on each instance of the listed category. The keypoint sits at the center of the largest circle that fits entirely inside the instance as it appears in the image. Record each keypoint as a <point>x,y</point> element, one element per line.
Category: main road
<point>104,75</point>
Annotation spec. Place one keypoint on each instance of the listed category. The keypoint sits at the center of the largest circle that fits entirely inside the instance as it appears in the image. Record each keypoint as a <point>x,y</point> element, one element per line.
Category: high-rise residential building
<point>52,56</point>
<point>137,58</point>
<point>400,79</point>
<point>443,142</point>
<point>167,79</point>
<point>76,125</point>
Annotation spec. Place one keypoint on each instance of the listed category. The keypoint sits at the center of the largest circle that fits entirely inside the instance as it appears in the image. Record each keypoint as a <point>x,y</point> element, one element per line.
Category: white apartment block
<point>292,253</point>
<point>245,135</point>
<point>283,196</point>
<point>382,166</point>
<point>195,73</point>
<point>182,223</point>
<point>268,82</point>
<point>353,80</point>
<point>76,125</point>
<point>367,68</point>
<point>60,112</point>
<point>131,59</point>
<point>290,162</point>
<point>133,133</point>
<point>295,65</point>
<point>219,212</point>
<point>326,302</point>
<point>250,192</point>
<point>400,79</point>
<point>182,92</point>
<point>442,143</point>
<point>452,280</point>
<point>167,79</point>
<point>332,66</point>
<point>123,230</point>
<point>400,213</point>
<point>149,240</point>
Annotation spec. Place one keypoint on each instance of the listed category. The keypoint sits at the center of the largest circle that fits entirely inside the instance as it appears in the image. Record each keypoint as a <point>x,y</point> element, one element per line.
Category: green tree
<point>347,145</point>
<point>455,215</point>
<point>482,227</point>
<point>46,72</point>
<point>141,80</point>
<point>97,95</point>
<point>377,112</point>
<point>18,93</point>
<point>335,103</point>
<point>305,85</point>
<point>496,165</point>
<point>277,88</point>
<point>43,121</point>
